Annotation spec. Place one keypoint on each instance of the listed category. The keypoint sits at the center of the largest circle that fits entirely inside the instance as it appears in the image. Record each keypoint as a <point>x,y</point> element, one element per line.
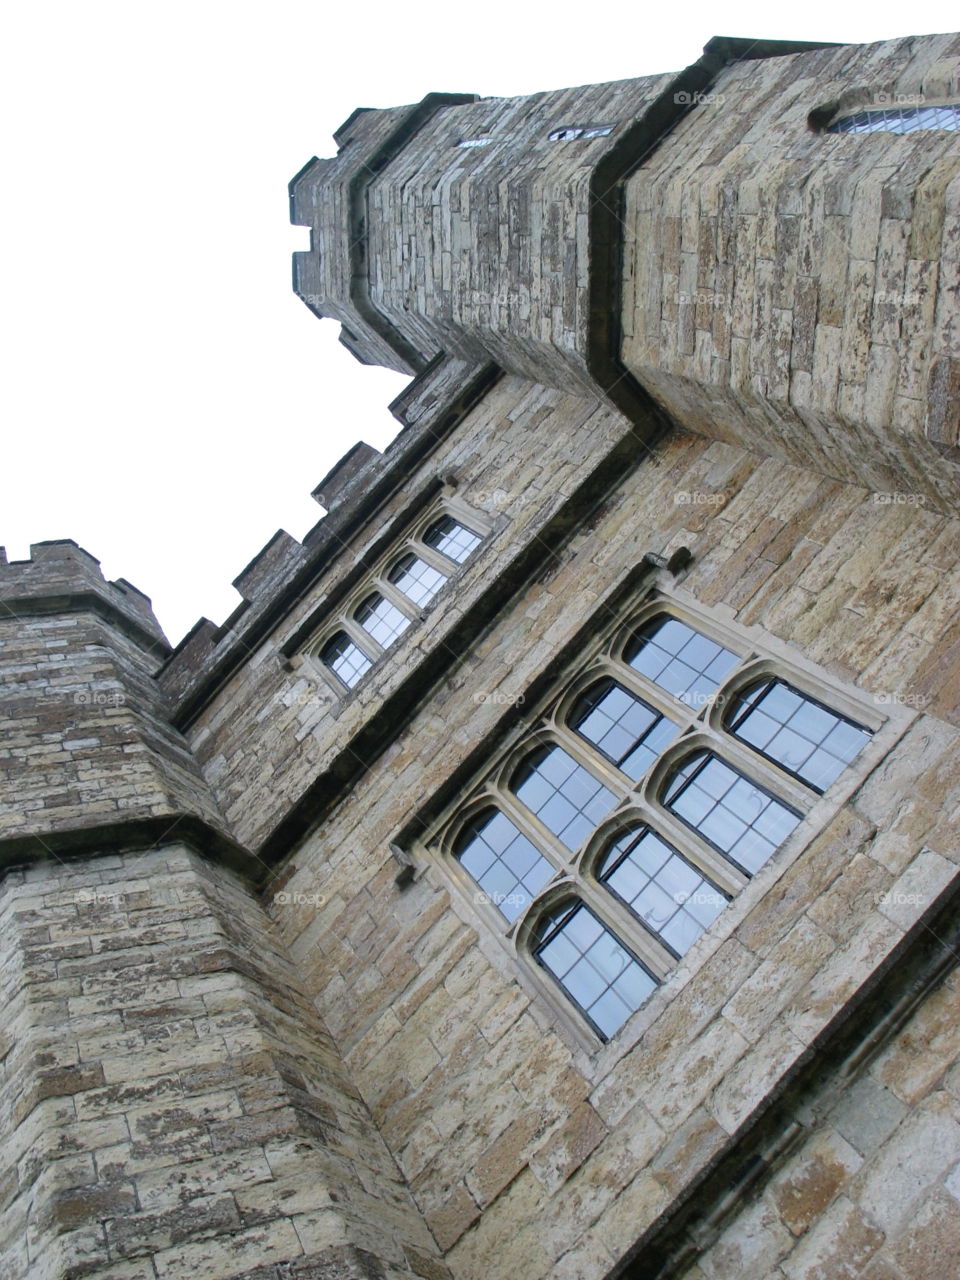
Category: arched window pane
<point>814,744</point>
<point>506,866</point>
<point>899,120</point>
<point>418,580</point>
<point>592,966</point>
<point>345,659</point>
<point>624,728</point>
<point>567,798</point>
<point>679,659</point>
<point>381,619</point>
<point>728,810</point>
<point>670,896</point>
<point>452,539</point>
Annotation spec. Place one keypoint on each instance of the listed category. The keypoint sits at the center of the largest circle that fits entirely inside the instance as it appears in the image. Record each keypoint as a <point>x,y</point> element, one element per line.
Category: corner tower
<point>170,1103</point>
<point>490,229</point>
<point>683,246</point>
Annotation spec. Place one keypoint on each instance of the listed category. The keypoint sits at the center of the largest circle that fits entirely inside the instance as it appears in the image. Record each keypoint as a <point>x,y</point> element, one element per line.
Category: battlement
<point>330,197</point>
<point>62,577</point>
<point>351,492</point>
<point>269,1008</point>
<point>543,234</point>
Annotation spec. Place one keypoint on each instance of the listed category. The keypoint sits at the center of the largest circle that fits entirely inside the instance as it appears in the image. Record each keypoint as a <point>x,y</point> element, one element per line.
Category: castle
<point>550,869</point>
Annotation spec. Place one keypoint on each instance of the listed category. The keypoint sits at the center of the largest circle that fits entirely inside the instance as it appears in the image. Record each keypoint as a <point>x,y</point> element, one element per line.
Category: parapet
<point>330,197</point>
<point>351,492</point>
<point>339,477</point>
<point>61,577</point>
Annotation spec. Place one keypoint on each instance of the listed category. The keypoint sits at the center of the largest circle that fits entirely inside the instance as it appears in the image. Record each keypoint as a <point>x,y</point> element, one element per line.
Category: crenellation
<point>265,1018</point>
<point>59,573</point>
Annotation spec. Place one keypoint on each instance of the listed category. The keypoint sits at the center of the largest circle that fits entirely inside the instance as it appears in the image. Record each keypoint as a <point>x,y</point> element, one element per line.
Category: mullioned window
<point>671,766</point>
<point>380,610</point>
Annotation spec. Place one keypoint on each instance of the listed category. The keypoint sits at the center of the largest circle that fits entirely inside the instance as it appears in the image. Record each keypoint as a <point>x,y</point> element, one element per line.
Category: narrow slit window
<point>622,727</point>
<point>571,132</point>
<point>899,119</point>
<point>507,867</point>
<point>680,660</point>
<point>672,898</point>
<point>795,732</point>
<point>592,966</point>
<point>452,539</point>
<point>418,580</point>
<point>345,659</point>
<point>737,817</point>
<point>567,798</point>
<point>381,619</point>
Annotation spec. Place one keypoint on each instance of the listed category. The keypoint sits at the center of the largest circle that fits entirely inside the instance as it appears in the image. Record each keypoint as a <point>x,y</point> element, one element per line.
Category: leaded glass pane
<point>592,966</point>
<point>624,728</point>
<point>566,798</point>
<point>679,659</point>
<point>899,120</point>
<point>731,812</point>
<point>452,539</point>
<point>418,580</point>
<point>381,619</point>
<point>670,896</point>
<point>506,866</point>
<point>345,659</point>
<point>806,739</point>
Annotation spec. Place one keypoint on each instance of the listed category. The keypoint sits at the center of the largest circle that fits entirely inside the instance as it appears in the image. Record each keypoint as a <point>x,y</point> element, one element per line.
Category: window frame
<point>536,943</point>
<point>580,132</point>
<point>638,804</point>
<point>814,700</point>
<point>377,582</point>
<point>892,109</point>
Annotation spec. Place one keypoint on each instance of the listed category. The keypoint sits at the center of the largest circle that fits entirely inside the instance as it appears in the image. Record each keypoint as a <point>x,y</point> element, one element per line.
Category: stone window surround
<point>559,133</point>
<point>510,946</point>
<point>878,98</point>
<point>893,109</point>
<point>376,581</point>
<point>579,132</point>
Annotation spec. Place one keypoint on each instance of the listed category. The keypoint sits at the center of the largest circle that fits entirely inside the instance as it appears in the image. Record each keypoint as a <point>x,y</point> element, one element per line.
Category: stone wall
<point>484,250</point>
<point>320,199</point>
<point>479,251</point>
<point>169,1105</point>
<point>798,292</point>
<point>276,725</point>
<point>874,1191</point>
<point>527,1154</point>
<point>86,735</point>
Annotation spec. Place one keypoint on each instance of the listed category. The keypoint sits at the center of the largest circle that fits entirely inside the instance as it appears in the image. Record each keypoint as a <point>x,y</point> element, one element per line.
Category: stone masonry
<point>255,1026</point>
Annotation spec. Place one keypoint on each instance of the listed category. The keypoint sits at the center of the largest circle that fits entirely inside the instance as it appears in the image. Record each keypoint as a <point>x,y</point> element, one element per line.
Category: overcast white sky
<point>166,401</point>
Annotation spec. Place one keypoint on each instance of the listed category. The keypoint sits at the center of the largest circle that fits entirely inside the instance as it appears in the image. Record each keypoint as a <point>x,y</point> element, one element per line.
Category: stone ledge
<point>102,839</point>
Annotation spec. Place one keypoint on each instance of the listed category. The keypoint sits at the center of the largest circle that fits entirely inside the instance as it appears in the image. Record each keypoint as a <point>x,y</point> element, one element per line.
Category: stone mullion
<point>398,600</point>
<point>435,559</point>
<point>361,638</point>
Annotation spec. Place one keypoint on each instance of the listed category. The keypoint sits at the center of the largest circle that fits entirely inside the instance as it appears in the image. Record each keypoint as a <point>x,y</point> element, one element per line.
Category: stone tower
<point>550,868</point>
